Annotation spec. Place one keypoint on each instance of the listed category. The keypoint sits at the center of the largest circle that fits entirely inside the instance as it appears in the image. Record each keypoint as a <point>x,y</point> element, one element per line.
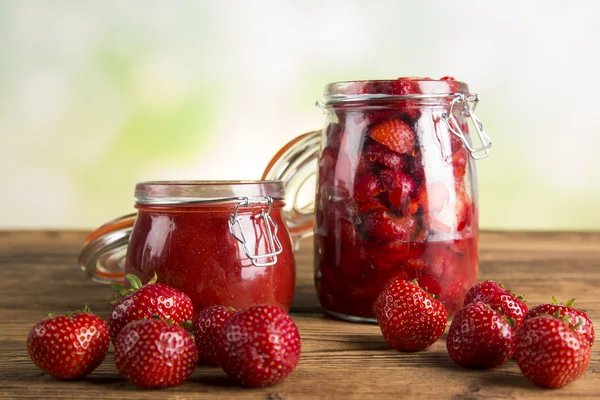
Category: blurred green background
<point>98,95</point>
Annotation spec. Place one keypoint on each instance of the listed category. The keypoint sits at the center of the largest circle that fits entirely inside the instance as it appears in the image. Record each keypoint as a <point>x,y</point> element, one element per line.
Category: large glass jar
<point>396,191</point>
<point>221,243</point>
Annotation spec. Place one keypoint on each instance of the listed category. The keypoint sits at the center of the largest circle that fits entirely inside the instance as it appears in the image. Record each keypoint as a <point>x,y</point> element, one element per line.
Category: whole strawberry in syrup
<point>152,353</point>
<point>410,318</point>
<point>550,353</point>
<point>69,346</point>
<point>479,337</point>
<point>259,346</point>
<point>499,298</point>
<point>206,332</point>
<point>575,317</point>
<point>145,302</point>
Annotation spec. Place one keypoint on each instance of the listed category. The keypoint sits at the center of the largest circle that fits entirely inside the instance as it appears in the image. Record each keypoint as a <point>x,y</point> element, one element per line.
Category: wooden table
<point>339,359</point>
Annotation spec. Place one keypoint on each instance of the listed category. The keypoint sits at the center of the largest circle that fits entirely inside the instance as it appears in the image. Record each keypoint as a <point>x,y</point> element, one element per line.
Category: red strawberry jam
<point>399,203</point>
<point>190,248</point>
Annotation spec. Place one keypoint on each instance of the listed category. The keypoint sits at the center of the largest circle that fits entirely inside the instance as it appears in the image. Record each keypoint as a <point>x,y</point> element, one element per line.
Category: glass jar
<point>220,242</point>
<point>396,191</point>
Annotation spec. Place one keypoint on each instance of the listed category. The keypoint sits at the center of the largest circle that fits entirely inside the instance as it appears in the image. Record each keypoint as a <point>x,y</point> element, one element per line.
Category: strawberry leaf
<point>134,281</point>
<point>119,289</point>
<point>187,325</point>
<point>569,303</point>
<point>153,280</point>
<point>510,321</point>
<point>84,310</point>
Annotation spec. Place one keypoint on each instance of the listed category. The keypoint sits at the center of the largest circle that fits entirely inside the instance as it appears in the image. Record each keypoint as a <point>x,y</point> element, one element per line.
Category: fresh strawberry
<point>69,346</point>
<point>206,331</point>
<point>145,302</point>
<point>153,353</point>
<point>409,317</point>
<point>480,337</point>
<point>577,318</point>
<point>499,298</point>
<point>380,225</point>
<point>400,188</point>
<point>394,134</point>
<point>550,353</point>
<point>259,347</point>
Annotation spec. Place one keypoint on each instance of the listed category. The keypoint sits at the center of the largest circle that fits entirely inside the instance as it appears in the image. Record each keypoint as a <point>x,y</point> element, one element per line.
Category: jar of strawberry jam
<point>396,193</point>
<point>222,243</point>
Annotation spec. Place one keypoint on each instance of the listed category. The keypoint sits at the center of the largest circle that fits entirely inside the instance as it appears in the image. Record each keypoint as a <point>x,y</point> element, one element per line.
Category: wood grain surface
<point>339,359</point>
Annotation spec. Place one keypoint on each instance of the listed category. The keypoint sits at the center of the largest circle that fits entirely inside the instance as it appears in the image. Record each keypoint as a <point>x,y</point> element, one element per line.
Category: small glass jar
<point>221,243</point>
<point>396,193</point>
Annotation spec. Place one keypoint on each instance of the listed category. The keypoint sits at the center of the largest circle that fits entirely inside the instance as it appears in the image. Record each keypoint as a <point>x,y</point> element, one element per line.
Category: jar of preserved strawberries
<point>396,191</point>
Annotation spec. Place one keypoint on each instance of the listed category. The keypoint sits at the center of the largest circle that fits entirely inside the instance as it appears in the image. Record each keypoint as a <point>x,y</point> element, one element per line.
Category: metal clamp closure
<point>274,245</point>
<point>471,101</point>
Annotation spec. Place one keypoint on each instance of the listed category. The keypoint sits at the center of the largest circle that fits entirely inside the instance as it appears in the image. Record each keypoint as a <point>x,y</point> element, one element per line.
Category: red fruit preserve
<point>222,243</point>
<point>396,191</point>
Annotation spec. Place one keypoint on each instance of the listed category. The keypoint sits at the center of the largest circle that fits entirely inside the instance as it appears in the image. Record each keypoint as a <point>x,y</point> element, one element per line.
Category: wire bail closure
<point>274,245</point>
<point>449,118</point>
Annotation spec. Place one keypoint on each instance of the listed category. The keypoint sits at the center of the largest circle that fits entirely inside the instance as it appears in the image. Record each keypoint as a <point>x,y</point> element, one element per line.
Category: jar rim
<point>189,191</point>
<point>385,90</point>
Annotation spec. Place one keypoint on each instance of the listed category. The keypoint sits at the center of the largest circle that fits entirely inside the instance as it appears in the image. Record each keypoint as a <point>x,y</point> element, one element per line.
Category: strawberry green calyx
<point>556,315</point>
<point>568,303</point>
<point>509,320</point>
<point>424,288</point>
<point>135,284</point>
<point>578,324</point>
<point>518,296</point>
<point>84,310</point>
<point>188,326</point>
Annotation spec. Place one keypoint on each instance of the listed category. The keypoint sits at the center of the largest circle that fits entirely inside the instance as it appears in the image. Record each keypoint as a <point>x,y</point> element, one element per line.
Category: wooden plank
<point>339,359</point>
